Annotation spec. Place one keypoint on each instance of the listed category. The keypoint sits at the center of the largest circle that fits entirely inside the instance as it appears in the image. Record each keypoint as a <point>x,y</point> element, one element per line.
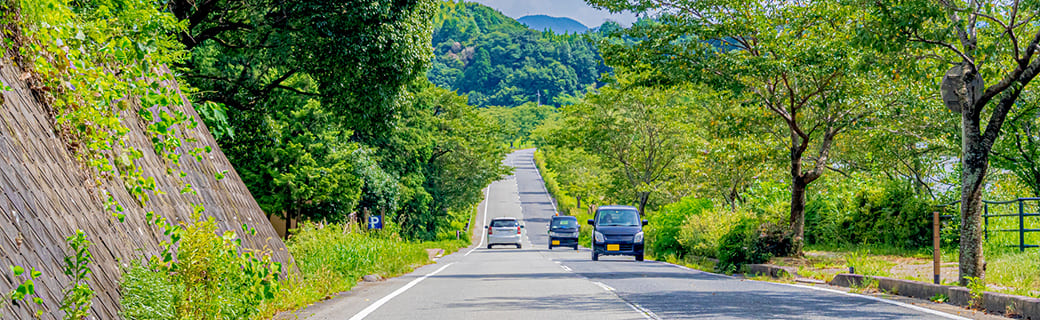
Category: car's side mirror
<point>486,226</point>
<point>645,222</point>
<point>522,226</point>
<point>592,222</point>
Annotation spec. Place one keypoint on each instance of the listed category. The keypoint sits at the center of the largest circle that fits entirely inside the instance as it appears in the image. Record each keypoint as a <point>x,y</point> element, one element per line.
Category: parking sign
<point>375,222</point>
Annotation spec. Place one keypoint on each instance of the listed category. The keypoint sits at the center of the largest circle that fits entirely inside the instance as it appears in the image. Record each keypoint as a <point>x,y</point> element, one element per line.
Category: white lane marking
<point>372,308</point>
<point>487,202</point>
<point>566,268</point>
<point>897,303</point>
<point>646,313</point>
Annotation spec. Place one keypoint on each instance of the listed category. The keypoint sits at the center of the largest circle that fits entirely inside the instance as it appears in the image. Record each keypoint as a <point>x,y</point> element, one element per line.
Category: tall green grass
<point>330,259</point>
<point>333,258</point>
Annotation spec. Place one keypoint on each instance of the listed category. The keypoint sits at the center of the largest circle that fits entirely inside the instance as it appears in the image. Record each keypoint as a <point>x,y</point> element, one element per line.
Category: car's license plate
<point>613,247</point>
<point>556,242</point>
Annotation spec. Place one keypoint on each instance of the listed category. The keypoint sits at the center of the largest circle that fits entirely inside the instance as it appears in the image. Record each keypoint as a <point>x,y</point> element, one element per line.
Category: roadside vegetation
<point>832,148</point>
<point>328,259</point>
<point>319,137</point>
<point>807,135</point>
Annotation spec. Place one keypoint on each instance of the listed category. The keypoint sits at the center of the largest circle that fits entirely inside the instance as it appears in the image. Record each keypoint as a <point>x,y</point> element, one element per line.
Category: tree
<point>981,40</point>
<point>345,62</point>
<point>310,172</point>
<point>639,130</point>
<point>741,147</point>
<point>1019,150</point>
<point>443,153</point>
<point>793,60</point>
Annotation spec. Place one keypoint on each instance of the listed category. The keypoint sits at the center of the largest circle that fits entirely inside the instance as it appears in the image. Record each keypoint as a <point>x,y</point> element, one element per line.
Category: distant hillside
<point>559,25</point>
<point>497,61</point>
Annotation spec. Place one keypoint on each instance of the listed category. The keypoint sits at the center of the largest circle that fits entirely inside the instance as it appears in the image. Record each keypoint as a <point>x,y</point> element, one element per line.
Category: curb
<point>1025,307</point>
<point>772,270</point>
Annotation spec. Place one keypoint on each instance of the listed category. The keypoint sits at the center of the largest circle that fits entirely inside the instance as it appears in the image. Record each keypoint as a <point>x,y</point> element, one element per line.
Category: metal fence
<point>1021,214</point>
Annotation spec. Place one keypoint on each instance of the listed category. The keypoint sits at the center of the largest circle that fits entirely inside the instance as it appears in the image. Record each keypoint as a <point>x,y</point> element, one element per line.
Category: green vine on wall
<point>96,60</point>
<point>24,290</point>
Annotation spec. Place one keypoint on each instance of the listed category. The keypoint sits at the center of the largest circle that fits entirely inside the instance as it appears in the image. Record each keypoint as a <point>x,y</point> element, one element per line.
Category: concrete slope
<point>46,194</point>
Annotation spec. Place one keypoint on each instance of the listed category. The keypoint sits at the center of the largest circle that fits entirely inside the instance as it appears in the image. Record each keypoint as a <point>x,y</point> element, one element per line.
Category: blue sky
<point>574,9</point>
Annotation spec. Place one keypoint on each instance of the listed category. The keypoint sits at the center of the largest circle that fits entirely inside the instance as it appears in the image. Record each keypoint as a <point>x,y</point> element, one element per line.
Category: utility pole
<point>539,98</point>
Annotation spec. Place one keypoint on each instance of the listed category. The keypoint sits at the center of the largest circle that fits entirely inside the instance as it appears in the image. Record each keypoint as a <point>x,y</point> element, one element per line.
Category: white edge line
<point>897,303</point>
<point>372,308</point>
<point>487,202</point>
<point>646,313</point>
<point>642,311</point>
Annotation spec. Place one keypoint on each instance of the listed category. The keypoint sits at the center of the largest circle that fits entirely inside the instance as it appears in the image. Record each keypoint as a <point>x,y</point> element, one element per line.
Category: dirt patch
<point>823,265</point>
<point>434,253</point>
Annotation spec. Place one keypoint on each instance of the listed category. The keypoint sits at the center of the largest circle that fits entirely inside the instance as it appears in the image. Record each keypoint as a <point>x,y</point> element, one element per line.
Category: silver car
<point>504,231</point>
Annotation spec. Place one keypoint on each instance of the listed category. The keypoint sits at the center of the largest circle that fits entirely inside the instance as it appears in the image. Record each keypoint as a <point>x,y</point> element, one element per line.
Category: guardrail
<point>1021,214</point>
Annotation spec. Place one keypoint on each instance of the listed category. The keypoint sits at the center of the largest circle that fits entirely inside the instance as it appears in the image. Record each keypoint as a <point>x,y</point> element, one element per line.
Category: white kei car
<point>505,231</point>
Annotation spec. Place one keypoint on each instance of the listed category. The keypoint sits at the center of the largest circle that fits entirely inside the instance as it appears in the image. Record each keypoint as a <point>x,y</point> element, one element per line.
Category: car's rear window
<point>503,223</point>
<point>620,217</point>
<point>566,223</point>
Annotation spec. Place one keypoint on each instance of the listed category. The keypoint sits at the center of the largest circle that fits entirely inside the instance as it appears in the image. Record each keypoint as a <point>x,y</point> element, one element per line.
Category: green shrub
<point>662,234</point>
<point>739,246</point>
<point>700,234</point>
<point>775,240</point>
<point>752,241</point>
<point>212,276</point>
<point>893,216</point>
<point>78,295</point>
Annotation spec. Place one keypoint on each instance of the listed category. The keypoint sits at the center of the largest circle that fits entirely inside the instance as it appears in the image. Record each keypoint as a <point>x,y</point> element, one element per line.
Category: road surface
<point>535,283</point>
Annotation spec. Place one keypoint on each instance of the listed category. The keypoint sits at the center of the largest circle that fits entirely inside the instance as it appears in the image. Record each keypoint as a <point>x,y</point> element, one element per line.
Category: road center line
<point>372,308</point>
<point>487,202</point>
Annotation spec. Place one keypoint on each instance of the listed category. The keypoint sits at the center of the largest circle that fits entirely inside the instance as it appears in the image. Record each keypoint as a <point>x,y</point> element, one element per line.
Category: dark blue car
<point>563,232</point>
<point>617,230</point>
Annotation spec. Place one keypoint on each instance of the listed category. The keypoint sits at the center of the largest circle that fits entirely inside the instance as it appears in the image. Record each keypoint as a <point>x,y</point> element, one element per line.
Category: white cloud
<point>574,9</point>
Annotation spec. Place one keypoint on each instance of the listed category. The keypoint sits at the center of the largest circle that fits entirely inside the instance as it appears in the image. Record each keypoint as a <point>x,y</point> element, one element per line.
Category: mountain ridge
<point>558,25</point>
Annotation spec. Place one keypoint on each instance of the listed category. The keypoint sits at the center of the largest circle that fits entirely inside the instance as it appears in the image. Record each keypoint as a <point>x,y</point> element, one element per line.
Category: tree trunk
<point>643,197</point>
<point>798,187</point>
<point>975,162</point>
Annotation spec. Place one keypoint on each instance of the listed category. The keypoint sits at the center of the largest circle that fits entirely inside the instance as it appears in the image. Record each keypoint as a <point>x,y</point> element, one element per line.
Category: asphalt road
<point>535,283</point>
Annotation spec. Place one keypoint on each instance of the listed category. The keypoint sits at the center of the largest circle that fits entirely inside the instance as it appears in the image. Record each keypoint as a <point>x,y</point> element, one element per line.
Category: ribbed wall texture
<point>46,194</point>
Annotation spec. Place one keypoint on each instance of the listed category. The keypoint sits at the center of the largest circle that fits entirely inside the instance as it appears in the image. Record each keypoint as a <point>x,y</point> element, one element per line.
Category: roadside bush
<point>892,216</point>
<point>775,240</point>
<point>700,234</point>
<point>752,241</point>
<point>739,246</point>
<point>211,277</point>
<point>662,233</point>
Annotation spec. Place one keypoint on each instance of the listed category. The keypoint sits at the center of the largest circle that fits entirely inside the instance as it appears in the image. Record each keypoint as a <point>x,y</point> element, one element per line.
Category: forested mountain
<point>498,61</point>
<point>559,25</point>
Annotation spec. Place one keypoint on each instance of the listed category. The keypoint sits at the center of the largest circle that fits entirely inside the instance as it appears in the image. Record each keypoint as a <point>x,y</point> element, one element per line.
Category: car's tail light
<point>490,230</point>
<point>517,230</point>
